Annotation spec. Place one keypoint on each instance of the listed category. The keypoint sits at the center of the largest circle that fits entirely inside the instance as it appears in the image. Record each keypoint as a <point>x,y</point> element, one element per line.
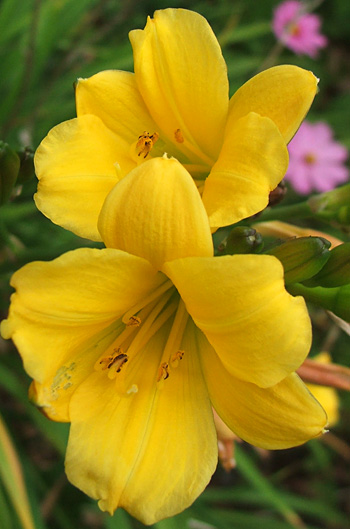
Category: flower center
<point>142,322</point>
<point>310,158</point>
<point>181,147</point>
<point>294,30</point>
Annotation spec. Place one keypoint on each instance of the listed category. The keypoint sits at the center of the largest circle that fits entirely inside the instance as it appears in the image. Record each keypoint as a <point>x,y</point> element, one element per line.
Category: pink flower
<point>298,30</point>
<point>315,159</point>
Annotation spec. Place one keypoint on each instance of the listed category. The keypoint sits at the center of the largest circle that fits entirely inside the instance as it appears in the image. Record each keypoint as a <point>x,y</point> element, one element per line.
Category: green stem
<point>301,210</point>
<point>317,295</point>
<point>12,212</point>
<point>5,242</point>
<point>335,299</point>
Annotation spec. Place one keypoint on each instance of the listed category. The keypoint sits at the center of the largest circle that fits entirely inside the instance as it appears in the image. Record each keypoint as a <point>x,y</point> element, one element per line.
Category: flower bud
<point>26,169</point>
<point>302,257</point>
<point>9,167</point>
<point>277,195</point>
<point>336,272</point>
<point>241,239</point>
<point>333,205</point>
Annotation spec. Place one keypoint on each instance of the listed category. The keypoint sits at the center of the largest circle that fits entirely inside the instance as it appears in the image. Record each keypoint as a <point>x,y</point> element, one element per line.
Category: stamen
<point>116,360</point>
<point>104,363</point>
<point>178,136</point>
<point>134,321</point>
<point>120,340</point>
<point>153,323</point>
<point>191,148</point>
<point>163,372</point>
<point>154,295</point>
<point>174,362</point>
<point>145,143</point>
<point>176,333</point>
<point>117,364</point>
<point>170,357</point>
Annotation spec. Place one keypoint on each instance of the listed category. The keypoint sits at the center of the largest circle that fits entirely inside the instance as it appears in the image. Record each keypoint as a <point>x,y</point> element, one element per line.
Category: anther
<point>116,361</point>
<point>134,321</point>
<point>163,371</point>
<point>105,362</point>
<point>146,142</point>
<point>117,364</point>
<point>178,136</point>
<point>176,358</point>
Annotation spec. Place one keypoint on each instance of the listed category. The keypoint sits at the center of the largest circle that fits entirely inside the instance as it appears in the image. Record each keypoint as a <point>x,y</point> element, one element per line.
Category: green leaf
<point>119,520</point>
<point>12,478</point>
<point>271,494</point>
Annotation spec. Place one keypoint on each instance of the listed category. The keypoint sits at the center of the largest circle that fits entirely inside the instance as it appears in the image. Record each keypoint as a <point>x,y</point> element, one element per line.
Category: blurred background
<point>44,46</point>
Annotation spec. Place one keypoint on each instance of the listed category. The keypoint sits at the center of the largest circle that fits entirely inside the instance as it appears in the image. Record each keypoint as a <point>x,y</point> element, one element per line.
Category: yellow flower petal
<point>282,93</point>
<point>253,160</point>
<point>113,96</point>
<point>156,448</point>
<point>281,416</point>
<point>182,77</point>
<point>260,332</point>
<point>156,212</point>
<point>76,167</point>
<point>65,312</point>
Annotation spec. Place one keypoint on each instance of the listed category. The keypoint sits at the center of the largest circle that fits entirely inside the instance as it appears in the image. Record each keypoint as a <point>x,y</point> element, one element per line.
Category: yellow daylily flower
<point>177,103</point>
<point>134,343</point>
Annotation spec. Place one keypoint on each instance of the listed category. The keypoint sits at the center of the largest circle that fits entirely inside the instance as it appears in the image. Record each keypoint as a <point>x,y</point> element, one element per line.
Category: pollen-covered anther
<point>134,321</point>
<point>113,362</point>
<point>163,371</point>
<point>146,142</point>
<point>176,357</point>
<point>179,136</point>
<point>116,364</point>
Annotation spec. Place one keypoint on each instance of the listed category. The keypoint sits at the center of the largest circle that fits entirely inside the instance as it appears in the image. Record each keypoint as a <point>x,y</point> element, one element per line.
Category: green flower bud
<point>302,257</point>
<point>241,239</point>
<point>336,272</point>
<point>26,170</point>
<point>337,300</point>
<point>9,167</point>
<point>333,205</point>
